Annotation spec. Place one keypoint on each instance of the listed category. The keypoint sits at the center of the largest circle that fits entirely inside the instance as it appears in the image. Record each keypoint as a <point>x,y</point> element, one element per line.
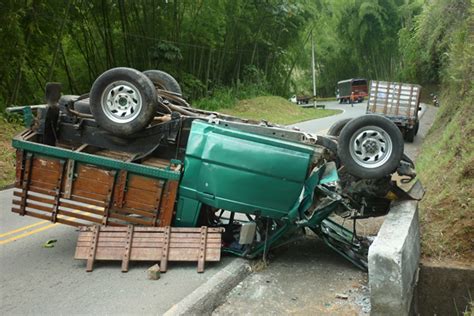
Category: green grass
<point>275,109</point>
<point>7,153</point>
<point>446,169</point>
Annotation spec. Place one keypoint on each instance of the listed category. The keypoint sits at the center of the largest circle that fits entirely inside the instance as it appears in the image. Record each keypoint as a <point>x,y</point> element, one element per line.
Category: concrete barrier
<point>393,261</point>
<point>211,294</point>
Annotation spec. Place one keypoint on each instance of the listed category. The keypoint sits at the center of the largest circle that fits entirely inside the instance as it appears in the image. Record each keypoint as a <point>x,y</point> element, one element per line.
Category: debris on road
<point>153,272</point>
<point>342,296</point>
<point>50,243</point>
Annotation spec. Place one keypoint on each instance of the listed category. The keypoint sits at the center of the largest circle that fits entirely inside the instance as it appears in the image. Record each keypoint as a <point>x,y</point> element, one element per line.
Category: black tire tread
<point>163,80</point>
<point>146,89</point>
<point>344,144</point>
<point>336,128</point>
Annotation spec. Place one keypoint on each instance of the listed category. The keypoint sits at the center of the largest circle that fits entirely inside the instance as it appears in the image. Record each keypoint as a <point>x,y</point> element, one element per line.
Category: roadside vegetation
<point>276,110</point>
<point>446,162</point>
<point>9,126</point>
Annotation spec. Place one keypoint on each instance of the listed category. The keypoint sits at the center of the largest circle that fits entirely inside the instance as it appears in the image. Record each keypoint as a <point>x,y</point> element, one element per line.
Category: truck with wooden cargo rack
<point>399,102</point>
<point>134,152</point>
<point>354,90</point>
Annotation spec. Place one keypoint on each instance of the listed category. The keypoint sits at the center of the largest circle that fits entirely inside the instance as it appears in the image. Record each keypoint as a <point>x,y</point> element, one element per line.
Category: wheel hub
<point>121,102</point>
<point>370,147</point>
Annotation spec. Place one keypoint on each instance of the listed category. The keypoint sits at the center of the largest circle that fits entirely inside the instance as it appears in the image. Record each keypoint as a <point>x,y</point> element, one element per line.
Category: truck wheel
<point>410,135</point>
<point>163,80</point>
<point>336,128</point>
<point>370,147</point>
<point>123,101</point>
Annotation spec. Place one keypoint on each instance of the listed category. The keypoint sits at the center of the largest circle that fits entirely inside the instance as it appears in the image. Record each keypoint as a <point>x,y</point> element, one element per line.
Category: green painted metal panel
<point>187,212</point>
<point>243,172</point>
<point>62,153</point>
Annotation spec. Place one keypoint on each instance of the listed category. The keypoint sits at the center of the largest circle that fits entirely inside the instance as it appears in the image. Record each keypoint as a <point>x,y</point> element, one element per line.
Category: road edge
<point>204,299</point>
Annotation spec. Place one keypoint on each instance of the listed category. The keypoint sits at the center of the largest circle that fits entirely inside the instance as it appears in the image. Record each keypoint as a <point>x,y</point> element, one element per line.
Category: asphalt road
<point>320,126</point>
<point>37,280</point>
<point>48,281</point>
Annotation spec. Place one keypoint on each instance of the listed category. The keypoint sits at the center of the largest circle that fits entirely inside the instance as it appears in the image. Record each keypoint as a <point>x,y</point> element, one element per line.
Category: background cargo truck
<point>345,88</point>
<point>399,102</point>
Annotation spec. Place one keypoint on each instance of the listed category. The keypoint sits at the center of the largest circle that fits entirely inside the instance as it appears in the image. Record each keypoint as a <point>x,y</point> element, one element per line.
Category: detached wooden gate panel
<point>159,244</point>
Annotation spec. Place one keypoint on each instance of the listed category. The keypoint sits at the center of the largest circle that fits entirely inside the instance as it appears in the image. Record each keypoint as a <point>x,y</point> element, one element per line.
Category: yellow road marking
<point>22,228</point>
<point>9,240</point>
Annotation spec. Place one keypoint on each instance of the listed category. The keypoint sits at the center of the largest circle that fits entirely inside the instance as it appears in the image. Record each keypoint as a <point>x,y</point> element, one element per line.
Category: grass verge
<point>7,153</point>
<point>276,110</point>
<point>446,168</point>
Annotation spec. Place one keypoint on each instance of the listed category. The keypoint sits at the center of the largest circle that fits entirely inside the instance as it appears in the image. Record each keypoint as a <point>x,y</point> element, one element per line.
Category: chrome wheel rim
<point>371,147</point>
<point>121,102</point>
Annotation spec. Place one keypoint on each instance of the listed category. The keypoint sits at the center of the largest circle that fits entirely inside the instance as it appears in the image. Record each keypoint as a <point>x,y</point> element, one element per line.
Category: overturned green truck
<point>133,151</point>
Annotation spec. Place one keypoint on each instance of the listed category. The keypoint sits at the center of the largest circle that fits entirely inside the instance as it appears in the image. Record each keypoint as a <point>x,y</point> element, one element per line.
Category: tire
<point>370,147</point>
<point>163,80</point>
<point>82,106</point>
<point>417,127</point>
<point>336,128</point>
<point>123,101</point>
<point>410,135</point>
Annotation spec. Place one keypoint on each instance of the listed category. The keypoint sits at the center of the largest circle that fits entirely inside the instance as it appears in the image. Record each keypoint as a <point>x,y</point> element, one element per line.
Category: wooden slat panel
<point>167,206</point>
<point>173,241</point>
<point>85,196</point>
<point>144,183</point>
<point>126,211</point>
<point>145,234</point>
<point>150,244</point>
<point>130,219</point>
<point>140,206</point>
<point>148,254</point>
<point>46,163</point>
<point>42,186</point>
<point>43,175</point>
<point>141,244</point>
<point>43,199</point>
<point>141,196</point>
<point>87,185</point>
<point>94,173</point>
<point>159,229</point>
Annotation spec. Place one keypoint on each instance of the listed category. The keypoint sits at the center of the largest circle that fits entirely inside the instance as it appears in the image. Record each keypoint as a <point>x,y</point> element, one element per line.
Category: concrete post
<point>393,261</point>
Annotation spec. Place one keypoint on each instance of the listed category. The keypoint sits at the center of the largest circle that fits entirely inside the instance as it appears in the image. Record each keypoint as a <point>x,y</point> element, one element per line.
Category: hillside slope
<point>446,168</point>
<point>275,109</point>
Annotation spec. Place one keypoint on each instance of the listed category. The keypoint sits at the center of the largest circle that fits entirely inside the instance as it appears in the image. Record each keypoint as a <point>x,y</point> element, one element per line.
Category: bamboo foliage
<point>208,44</point>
